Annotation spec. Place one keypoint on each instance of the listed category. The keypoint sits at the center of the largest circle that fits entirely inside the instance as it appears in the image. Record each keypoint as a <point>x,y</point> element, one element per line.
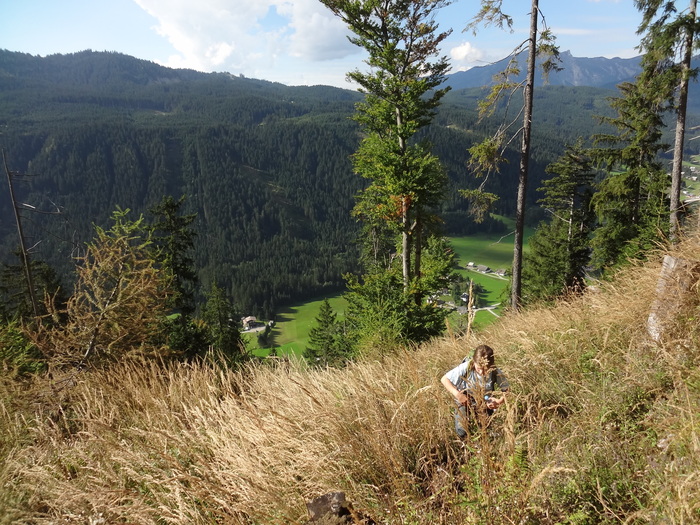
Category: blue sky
<point>296,42</point>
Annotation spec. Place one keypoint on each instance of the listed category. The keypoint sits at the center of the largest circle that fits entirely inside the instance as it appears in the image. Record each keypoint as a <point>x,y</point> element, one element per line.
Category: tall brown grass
<point>601,426</point>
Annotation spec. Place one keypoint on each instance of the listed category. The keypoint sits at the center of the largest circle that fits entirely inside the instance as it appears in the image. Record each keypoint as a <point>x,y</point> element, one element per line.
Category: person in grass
<point>473,383</point>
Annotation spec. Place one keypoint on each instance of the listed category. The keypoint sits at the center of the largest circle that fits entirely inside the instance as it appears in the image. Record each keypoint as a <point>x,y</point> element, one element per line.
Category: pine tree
<point>406,181</point>
<point>559,250</point>
<point>118,304</point>
<point>173,236</point>
<point>327,344</point>
<point>631,202</point>
<point>668,45</point>
<point>381,316</point>
<point>222,327</point>
<point>173,241</point>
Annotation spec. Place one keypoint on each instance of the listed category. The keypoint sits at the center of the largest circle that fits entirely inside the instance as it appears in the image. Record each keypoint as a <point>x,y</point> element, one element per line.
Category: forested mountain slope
<point>264,166</point>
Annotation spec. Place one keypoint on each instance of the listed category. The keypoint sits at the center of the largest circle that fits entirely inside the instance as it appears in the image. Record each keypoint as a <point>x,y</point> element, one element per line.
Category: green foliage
<point>173,238</point>
<point>185,335</point>
<point>480,203</point>
<point>631,202</point>
<point>18,356</point>
<point>116,131</point>
<point>559,251</point>
<point>664,31</point>
<point>173,244</point>
<point>222,326</point>
<point>553,267</point>
<point>407,182</point>
<point>485,158</point>
<point>668,44</point>
<point>548,53</point>
<point>491,13</point>
<point>381,316</point>
<point>15,302</point>
<point>604,488</point>
<point>263,338</point>
<point>328,342</point>
<point>266,168</point>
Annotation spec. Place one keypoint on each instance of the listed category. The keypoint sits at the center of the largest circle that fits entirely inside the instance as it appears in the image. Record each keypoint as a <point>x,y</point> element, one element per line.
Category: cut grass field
<point>290,335</point>
<point>494,251</point>
<point>691,186</point>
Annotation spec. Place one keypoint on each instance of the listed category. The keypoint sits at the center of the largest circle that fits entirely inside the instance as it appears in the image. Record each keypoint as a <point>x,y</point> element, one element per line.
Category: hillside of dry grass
<point>602,426</point>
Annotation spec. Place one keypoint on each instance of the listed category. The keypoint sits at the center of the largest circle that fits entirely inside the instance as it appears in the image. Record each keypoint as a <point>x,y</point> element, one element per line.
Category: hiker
<point>472,383</point>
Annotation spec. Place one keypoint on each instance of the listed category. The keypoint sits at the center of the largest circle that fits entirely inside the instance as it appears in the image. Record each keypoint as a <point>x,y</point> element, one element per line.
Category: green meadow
<point>494,252</point>
<point>290,334</point>
<point>689,185</point>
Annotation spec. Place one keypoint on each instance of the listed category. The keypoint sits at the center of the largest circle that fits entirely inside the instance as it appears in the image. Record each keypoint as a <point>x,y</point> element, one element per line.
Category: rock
<point>333,509</point>
<point>678,276</point>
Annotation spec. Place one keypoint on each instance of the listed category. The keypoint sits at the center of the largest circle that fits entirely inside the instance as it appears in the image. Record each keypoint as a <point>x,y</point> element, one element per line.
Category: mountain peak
<point>576,71</point>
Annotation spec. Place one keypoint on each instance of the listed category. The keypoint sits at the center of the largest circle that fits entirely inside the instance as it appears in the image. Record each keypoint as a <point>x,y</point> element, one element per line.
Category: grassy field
<point>494,251</point>
<point>600,427</point>
<point>690,185</point>
<point>290,334</point>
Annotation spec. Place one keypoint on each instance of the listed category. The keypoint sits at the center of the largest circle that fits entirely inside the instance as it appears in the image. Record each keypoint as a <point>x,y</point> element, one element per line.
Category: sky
<point>295,42</point>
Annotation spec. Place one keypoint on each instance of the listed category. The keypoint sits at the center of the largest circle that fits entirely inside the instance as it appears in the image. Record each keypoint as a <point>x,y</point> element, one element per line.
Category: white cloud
<point>465,55</point>
<point>247,36</point>
<point>207,35</point>
<point>317,33</point>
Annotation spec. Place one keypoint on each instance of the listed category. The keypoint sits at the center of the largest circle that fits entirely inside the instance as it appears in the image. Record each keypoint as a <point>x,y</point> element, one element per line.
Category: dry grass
<point>602,427</point>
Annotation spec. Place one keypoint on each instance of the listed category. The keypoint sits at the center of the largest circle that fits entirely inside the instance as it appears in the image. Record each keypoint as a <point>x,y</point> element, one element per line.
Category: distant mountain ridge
<point>597,72</point>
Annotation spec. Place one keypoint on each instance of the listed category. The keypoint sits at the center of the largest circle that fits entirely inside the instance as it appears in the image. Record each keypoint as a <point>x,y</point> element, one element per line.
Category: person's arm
<point>459,396</point>
<point>497,401</point>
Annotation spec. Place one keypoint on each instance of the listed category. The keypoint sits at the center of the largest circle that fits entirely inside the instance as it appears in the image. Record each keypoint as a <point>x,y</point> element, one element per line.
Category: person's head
<point>483,359</point>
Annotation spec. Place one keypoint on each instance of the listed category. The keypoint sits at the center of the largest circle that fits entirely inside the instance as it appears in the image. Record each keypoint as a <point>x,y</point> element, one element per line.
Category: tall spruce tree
<point>406,181</point>
<point>173,239</point>
<point>631,202</point>
<point>559,250</point>
<point>173,236</point>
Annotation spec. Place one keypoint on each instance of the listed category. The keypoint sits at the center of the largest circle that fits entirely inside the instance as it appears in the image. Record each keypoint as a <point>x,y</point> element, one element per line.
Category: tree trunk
<point>406,245</point>
<point>516,285</point>
<point>675,203</point>
<point>418,248</point>
<point>405,214</point>
<point>23,249</point>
